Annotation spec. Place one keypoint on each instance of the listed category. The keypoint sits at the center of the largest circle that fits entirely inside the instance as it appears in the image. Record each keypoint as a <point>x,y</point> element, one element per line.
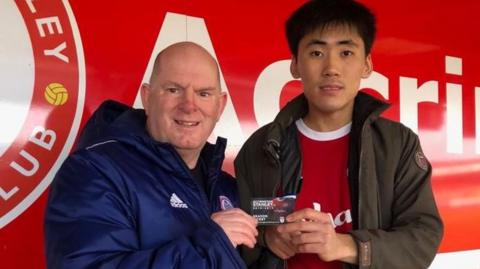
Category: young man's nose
<point>331,66</point>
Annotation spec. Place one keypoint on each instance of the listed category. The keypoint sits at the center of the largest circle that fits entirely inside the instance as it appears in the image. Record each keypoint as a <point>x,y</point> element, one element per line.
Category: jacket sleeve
<point>90,223</point>
<point>416,229</point>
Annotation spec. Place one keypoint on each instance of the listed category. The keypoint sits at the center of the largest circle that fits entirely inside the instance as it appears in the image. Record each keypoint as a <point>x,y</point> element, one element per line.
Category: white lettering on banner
<point>46,140</point>
<point>269,85</point>
<point>26,172</point>
<point>376,82</point>
<point>453,66</point>
<point>31,6</point>
<point>266,95</point>
<point>177,28</point>
<point>44,134</point>
<point>57,52</point>
<point>49,21</point>
<point>7,195</point>
<point>454,118</point>
<point>411,95</point>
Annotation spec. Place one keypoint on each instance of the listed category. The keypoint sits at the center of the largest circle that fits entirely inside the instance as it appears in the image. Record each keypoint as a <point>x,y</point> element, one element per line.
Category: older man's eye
<point>172,90</point>
<point>205,94</point>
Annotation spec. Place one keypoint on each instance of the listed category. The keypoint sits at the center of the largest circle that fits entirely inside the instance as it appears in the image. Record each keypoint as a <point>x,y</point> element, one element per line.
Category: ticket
<point>271,211</point>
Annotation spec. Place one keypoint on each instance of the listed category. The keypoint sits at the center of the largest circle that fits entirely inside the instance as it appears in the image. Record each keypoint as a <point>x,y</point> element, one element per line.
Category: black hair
<point>320,14</point>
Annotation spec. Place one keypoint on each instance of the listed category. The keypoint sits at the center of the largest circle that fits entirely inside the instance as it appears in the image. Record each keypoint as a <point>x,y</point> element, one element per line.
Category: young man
<point>366,176</point>
<point>145,190</point>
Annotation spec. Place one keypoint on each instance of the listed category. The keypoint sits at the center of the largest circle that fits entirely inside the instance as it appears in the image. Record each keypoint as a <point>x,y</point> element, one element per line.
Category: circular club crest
<point>43,90</point>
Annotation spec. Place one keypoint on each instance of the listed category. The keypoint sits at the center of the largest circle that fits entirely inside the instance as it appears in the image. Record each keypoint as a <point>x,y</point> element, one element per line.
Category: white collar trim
<point>322,136</point>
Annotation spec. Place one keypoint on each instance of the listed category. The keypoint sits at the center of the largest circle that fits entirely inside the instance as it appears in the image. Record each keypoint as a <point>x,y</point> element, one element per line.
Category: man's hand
<point>313,232</point>
<point>279,243</point>
<point>240,227</point>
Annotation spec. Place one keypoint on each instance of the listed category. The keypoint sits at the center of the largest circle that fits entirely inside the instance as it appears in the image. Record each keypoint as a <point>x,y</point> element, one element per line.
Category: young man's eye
<point>347,53</point>
<point>316,53</point>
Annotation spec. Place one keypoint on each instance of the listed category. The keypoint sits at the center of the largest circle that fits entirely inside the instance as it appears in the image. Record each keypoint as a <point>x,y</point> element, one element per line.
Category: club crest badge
<point>421,160</point>
<point>42,98</point>
<point>225,203</point>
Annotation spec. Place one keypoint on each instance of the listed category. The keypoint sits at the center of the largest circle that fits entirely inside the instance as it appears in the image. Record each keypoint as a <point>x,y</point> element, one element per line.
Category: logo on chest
<point>176,202</point>
<point>340,219</point>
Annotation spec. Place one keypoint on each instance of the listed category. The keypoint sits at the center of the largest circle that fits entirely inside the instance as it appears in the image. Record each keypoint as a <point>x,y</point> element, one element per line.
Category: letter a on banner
<point>178,28</point>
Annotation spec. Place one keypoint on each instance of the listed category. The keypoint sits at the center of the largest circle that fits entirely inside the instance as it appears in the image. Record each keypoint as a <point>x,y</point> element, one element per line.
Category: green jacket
<point>396,223</point>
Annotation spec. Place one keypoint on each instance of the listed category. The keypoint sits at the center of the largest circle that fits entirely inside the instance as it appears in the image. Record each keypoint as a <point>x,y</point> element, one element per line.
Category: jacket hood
<point>108,117</point>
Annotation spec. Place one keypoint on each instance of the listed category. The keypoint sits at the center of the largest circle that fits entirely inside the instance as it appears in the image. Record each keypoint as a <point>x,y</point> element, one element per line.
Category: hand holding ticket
<point>272,211</point>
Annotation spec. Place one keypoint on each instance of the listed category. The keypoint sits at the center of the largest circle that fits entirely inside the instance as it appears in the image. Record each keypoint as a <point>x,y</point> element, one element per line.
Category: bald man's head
<point>183,100</point>
<point>183,51</point>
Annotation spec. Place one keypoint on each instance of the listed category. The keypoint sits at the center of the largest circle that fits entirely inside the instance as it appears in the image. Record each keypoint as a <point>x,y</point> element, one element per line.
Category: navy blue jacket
<point>124,200</point>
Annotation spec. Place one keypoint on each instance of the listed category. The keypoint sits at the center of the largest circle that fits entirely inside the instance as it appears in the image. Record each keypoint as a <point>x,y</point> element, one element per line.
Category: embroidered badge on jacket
<point>225,203</point>
<point>421,160</point>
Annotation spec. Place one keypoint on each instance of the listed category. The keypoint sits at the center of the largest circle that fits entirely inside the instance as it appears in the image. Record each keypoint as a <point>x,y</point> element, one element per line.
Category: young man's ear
<point>145,94</point>
<point>368,66</point>
<point>294,68</point>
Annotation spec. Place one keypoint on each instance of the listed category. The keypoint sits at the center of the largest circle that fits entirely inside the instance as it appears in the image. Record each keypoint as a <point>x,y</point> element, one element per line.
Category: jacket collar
<point>366,107</point>
<point>116,121</point>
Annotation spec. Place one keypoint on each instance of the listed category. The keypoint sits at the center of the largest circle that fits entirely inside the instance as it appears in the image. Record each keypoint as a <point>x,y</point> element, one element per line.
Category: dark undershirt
<point>198,174</point>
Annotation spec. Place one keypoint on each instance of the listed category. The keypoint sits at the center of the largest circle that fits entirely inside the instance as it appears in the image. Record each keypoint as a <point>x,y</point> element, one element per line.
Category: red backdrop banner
<point>60,59</point>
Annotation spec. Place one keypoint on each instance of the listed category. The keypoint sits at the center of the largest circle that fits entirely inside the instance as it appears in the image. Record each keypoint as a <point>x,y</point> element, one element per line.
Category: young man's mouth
<point>331,87</point>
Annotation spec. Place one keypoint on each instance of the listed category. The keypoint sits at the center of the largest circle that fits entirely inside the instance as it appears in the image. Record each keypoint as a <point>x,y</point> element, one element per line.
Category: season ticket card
<point>269,211</point>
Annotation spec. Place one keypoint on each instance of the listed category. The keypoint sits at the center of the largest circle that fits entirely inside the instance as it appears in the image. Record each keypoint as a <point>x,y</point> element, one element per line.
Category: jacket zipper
<point>203,195</point>
<point>296,187</point>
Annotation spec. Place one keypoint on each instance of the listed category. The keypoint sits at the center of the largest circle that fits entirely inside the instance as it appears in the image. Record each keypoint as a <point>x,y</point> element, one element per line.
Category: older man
<point>144,189</point>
